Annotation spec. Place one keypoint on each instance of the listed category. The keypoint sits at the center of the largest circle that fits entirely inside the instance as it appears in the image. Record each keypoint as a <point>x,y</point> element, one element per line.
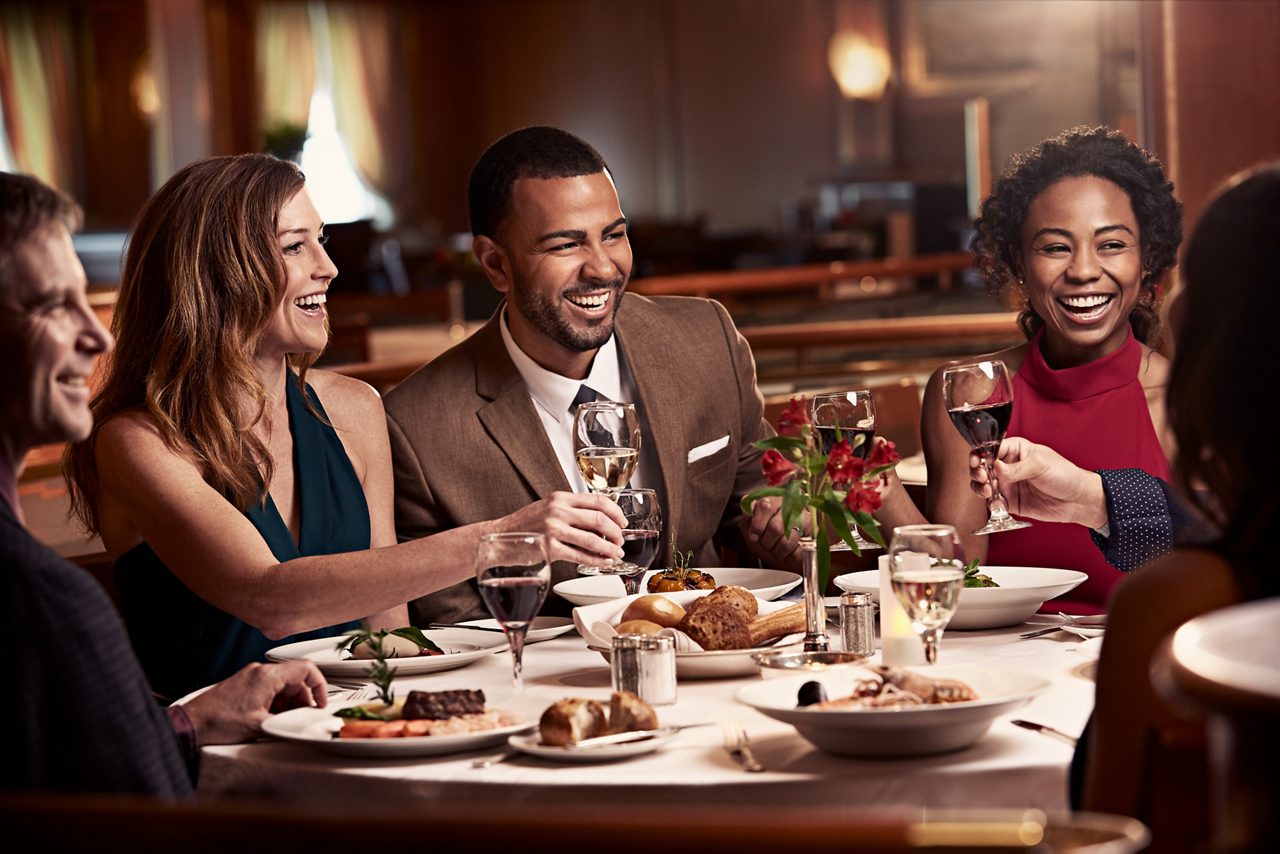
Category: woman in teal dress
<point>247,499</point>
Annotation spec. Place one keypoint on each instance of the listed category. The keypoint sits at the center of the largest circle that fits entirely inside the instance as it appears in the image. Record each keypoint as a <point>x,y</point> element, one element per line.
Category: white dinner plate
<point>1022,590</point>
<point>531,743</point>
<point>461,647</point>
<point>767,584</point>
<point>911,731</point>
<point>317,727</point>
<point>1091,648</point>
<point>543,628</point>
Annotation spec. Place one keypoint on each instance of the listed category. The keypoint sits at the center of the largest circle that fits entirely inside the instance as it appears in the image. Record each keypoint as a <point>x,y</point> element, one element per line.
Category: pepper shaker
<point>646,666</point>
<point>857,624</point>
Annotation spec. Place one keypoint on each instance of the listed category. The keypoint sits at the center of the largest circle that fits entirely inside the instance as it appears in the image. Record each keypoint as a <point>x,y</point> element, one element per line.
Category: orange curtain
<point>369,97</point>
<point>286,64</point>
<point>36,78</point>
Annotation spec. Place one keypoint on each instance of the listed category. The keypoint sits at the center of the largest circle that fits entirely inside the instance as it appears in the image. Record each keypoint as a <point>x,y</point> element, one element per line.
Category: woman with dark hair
<point>240,509</point>
<point>1077,233</point>
<point>1142,758</point>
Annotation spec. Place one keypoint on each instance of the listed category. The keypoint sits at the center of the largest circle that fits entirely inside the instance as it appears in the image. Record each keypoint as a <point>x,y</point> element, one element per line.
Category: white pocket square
<point>709,448</point>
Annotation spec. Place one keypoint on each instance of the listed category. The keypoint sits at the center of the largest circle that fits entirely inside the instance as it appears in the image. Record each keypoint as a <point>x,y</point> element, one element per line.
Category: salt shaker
<point>646,666</point>
<point>857,624</point>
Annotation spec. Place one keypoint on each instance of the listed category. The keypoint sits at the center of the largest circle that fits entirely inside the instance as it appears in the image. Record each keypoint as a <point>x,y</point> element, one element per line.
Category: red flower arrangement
<point>839,487</point>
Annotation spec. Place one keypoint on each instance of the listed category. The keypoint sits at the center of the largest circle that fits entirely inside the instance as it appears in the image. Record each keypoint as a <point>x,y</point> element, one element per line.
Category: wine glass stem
<point>930,638</point>
<point>515,639</point>
<point>996,508</point>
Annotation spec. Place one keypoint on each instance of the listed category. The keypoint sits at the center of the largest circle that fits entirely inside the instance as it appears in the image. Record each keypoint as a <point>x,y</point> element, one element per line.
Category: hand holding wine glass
<point>979,401</point>
<point>606,442</point>
<point>847,415</point>
<point>513,574</point>
<point>927,575</point>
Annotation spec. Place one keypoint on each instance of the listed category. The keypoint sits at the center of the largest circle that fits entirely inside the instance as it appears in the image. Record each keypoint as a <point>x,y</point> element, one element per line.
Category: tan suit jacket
<point>467,444</point>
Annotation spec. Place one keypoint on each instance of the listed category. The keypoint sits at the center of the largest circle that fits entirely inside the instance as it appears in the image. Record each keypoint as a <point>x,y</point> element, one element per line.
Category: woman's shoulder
<point>1180,585</point>
<point>1153,370</point>
<point>128,429</point>
<point>349,403</point>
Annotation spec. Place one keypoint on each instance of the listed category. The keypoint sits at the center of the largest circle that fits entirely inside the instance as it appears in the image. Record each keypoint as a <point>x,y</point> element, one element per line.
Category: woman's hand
<point>579,527</point>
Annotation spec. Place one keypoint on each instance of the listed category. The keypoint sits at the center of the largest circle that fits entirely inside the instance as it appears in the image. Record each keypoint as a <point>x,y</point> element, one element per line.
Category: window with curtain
<point>304,49</point>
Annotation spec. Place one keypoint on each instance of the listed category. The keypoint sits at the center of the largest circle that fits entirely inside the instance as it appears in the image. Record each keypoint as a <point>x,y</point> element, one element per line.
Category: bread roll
<point>717,625</point>
<point>627,712</point>
<point>655,609</point>
<point>638,627</point>
<point>779,623</point>
<point>572,720</point>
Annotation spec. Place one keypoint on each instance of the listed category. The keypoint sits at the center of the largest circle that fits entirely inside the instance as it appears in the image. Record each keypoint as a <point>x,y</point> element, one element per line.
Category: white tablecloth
<point>1008,767</point>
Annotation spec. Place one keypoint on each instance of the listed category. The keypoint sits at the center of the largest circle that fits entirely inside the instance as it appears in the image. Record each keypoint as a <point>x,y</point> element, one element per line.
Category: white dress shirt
<point>552,395</point>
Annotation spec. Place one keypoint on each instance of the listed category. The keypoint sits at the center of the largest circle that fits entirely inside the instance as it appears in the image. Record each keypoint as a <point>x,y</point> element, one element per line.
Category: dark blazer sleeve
<point>754,428</point>
<point>84,719</point>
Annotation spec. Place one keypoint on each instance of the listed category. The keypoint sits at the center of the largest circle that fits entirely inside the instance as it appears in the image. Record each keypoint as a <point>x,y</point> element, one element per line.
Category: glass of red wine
<point>513,574</point>
<point>979,400</point>
<point>640,538</point>
<point>846,415</point>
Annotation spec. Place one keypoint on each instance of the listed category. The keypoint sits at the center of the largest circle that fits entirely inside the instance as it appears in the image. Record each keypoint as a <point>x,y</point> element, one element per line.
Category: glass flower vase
<point>815,611</point>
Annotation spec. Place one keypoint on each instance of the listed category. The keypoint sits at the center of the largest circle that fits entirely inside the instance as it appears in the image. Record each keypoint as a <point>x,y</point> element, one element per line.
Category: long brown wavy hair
<point>202,277</point>
<point>1227,462</point>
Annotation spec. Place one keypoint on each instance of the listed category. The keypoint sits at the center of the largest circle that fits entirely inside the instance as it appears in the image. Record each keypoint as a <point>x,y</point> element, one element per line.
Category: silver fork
<point>739,746</point>
<point>364,692</point>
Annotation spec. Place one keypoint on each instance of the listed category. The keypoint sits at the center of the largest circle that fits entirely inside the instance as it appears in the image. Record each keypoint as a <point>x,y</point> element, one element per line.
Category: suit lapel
<point>661,404</point>
<point>510,418</point>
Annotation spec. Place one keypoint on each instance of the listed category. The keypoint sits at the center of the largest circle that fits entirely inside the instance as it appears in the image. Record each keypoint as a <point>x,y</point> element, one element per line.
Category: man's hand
<point>768,539</point>
<point>580,527</point>
<point>233,710</point>
<point>1039,483</point>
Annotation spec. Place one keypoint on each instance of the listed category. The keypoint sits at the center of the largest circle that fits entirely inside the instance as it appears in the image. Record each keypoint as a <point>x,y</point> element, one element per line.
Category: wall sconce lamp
<point>860,68</point>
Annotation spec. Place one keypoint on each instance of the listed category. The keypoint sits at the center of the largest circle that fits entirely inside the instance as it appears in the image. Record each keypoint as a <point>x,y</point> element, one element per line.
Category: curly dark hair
<point>1080,151</point>
<point>1227,463</point>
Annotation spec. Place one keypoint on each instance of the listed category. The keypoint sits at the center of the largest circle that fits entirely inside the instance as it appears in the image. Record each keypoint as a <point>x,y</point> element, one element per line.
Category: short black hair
<point>1101,152</point>
<point>26,206</point>
<point>532,152</point>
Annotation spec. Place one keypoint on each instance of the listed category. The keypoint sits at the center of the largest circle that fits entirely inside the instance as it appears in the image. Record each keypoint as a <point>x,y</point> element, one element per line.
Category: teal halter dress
<point>184,642</point>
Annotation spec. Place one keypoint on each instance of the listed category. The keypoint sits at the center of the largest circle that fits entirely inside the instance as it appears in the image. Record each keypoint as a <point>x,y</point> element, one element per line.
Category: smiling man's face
<point>563,258</point>
<point>49,341</point>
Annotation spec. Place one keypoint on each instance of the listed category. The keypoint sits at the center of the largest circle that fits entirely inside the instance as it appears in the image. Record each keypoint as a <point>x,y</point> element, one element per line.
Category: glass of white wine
<point>606,442</point>
<point>927,574</point>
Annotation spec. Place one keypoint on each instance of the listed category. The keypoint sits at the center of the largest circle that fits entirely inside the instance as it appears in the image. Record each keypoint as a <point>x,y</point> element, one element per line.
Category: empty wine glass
<point>979,399</point>
<point>846,415</point>
<point>927,575</point>
<point>606,442</point>
<point>513,574</point>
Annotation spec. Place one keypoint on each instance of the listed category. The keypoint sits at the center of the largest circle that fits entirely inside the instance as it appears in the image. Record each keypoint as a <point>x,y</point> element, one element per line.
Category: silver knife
<point>459,626</point>
<point>629,736</point>
<point>1047,730</point>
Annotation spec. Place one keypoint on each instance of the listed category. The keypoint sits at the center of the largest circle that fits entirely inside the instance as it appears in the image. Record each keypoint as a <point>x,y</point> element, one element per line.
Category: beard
<point>547,315</point>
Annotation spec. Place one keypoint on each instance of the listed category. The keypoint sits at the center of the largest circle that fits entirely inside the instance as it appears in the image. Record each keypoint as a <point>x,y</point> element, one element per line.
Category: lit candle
<point>899,644</point>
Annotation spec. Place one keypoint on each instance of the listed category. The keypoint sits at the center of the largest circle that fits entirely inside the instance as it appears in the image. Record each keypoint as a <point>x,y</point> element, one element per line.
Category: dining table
<point>1008,767</point>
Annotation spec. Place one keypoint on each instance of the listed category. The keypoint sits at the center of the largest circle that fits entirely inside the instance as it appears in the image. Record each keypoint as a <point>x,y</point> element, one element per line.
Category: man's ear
<point>494,261</point>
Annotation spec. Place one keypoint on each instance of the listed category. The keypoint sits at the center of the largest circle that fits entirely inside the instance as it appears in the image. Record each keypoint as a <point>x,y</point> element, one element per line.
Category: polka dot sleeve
<point>1139,518</point>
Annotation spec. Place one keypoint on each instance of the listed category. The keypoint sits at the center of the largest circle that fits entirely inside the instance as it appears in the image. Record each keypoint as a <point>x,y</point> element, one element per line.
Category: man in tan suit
<point>486,428</point>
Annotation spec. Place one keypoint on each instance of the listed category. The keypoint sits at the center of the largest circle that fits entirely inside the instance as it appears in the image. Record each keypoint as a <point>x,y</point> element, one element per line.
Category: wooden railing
<point>867,346</point>
<point>824,278</point>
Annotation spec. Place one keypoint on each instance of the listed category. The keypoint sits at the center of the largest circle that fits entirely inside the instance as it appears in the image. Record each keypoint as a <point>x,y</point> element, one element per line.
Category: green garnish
<point>353,639</point>
<point>359,713</point>
<point>380,674</point>
<point>972,578</point>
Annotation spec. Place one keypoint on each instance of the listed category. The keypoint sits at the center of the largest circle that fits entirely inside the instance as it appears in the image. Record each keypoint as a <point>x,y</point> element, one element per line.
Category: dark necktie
<point>585,394</point>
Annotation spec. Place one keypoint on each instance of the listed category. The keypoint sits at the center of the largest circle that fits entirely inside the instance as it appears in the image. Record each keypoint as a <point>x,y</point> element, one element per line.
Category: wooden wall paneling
<point>1223,113</point>
<point>233,94</point>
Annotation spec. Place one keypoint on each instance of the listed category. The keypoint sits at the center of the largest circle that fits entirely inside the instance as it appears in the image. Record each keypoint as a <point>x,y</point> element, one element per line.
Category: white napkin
<point>596,622</point>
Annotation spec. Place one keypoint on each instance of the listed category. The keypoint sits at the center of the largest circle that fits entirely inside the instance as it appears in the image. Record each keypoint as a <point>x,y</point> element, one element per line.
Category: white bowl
<point>911,731</point>
<point>1022,590</point>
<point>767,584</point>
